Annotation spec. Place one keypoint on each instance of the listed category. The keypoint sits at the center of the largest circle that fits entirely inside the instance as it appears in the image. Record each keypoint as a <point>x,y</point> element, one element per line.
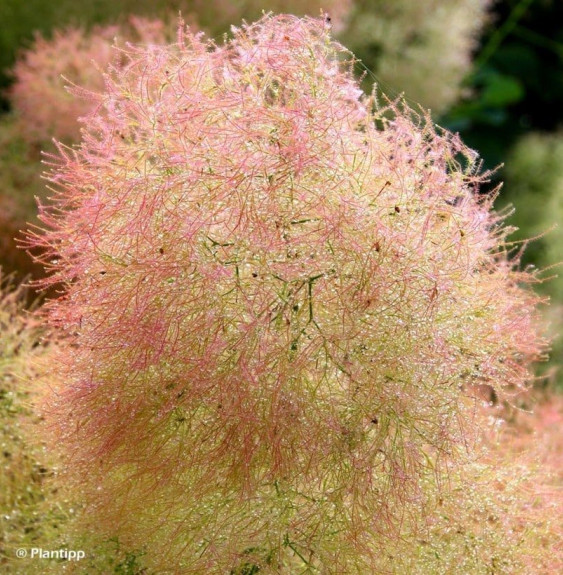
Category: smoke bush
<point>421,48</point>
<point>276,299</point>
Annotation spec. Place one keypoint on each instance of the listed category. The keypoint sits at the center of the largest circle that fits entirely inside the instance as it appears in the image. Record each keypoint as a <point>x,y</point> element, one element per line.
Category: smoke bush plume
<point>278,295</point>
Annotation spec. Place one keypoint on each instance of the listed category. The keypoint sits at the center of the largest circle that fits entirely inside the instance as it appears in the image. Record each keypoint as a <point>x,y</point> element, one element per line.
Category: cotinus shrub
<point>278,295</point>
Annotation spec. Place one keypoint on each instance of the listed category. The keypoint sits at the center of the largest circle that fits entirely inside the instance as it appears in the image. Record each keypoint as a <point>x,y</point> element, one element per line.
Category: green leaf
<point>501,90</point>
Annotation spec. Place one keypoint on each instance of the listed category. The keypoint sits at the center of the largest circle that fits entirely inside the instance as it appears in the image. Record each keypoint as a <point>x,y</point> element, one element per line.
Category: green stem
<point>538,40</point>
<point>498,37</point>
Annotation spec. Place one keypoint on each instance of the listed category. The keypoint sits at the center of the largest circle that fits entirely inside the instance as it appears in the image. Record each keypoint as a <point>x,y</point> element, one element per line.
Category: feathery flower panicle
<point>275,298</point>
